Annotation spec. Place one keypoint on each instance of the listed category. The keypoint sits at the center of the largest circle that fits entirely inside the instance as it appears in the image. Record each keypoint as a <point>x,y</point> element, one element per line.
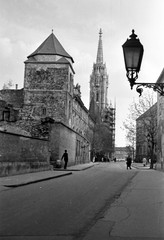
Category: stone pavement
<point>29,178</point>
<point>138,213</point>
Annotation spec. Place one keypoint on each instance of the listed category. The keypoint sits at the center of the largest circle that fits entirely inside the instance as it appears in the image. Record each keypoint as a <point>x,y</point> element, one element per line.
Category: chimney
<point>16,86</point>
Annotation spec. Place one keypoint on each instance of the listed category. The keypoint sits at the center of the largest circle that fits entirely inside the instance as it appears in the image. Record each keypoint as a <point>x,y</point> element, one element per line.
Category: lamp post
<point>133,52</point>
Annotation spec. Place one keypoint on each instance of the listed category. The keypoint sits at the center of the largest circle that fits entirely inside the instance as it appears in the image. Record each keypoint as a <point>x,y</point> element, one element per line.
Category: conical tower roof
<point>51,46</point>
<point>100,49</point>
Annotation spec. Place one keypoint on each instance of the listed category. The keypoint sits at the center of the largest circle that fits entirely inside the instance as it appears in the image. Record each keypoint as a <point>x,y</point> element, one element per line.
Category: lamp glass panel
<point>132,56</point>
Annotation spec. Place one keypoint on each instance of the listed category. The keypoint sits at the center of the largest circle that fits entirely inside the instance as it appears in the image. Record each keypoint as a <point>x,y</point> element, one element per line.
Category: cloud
<point>6,47</point>
<point>11,61</point>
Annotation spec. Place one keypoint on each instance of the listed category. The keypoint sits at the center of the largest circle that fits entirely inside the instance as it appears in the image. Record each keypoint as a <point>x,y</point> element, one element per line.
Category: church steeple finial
<point>100,33</point>
<point>100,49</point>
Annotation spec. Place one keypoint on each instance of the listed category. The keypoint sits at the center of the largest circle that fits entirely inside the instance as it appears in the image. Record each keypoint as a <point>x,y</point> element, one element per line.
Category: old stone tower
<point>48,82</point>
<point>99,82</point>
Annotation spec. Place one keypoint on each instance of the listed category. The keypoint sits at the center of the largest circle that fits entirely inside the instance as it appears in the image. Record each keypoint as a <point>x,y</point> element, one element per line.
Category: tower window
<point>106,117</point>
<point>69,109</point>
<point>97,97</point>
<point>6,115</point>
<point>44,111</point>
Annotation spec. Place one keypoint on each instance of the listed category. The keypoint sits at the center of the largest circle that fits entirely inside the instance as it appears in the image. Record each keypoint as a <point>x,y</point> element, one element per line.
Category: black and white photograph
<point>81,120</point>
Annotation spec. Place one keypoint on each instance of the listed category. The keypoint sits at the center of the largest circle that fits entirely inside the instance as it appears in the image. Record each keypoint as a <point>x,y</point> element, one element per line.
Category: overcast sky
<point>25,24</point>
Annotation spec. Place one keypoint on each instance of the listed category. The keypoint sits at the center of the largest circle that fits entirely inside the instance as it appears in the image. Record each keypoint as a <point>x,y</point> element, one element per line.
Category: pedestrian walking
<point>129,162</point>
<point>93,159</point>
<point>65,157</point>
<point>144,161</point>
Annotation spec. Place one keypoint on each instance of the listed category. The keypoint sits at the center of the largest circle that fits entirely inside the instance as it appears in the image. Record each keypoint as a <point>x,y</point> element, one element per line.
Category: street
<point>62,208</point>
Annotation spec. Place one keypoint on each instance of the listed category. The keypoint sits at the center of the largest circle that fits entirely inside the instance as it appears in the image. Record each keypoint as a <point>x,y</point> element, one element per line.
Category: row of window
<point>78,124</point>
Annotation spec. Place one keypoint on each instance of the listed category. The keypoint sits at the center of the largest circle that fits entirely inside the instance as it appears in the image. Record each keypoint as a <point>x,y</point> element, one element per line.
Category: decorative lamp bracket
<point>132,77</point>
<point>157,87</point>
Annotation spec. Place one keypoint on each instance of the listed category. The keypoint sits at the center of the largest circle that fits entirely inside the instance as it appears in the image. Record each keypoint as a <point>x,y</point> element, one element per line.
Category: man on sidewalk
<point>129,162</point>
<point>65,156</point>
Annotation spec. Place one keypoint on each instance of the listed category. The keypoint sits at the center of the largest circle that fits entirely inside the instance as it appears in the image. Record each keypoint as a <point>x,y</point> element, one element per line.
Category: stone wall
<point>79,116</point>
<point>41,104</point>
<point>64,138</point>
<point>20,154</point>
<point>46,78</point>
<point>7,112</point>
<point>47,92</point>
<point>13,97</point>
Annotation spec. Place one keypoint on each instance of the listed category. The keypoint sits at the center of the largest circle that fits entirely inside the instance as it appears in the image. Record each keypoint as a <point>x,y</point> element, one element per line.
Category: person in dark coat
<point>65,157</point>
<point>128,162</point>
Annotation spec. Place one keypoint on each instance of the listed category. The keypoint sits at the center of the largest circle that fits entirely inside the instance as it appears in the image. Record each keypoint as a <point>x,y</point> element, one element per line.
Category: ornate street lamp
<point>133,53</point>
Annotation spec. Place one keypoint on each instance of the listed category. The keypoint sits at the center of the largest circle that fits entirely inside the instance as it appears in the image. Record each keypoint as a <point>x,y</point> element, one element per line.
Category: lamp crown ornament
<point>133,35</point>
<point>133,52</point>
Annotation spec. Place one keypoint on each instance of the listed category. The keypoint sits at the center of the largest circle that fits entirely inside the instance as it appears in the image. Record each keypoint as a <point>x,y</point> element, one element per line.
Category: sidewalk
<point>29,178</point>
<point>78,167</point>
<point>140,166</point>
<point>138,213</point>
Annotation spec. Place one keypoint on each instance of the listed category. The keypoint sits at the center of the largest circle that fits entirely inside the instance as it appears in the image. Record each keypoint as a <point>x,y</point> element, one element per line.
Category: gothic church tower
<point>99,82</point>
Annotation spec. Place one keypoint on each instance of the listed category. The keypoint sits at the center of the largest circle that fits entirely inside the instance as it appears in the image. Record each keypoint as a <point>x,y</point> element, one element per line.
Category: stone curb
<point>37,180</point>
<point>67,172</point>
<point>71,169</point>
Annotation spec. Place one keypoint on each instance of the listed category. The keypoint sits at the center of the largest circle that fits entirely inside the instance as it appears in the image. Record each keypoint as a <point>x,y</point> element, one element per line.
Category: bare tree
<point>147,119</point>
<point>8,84</point>
<point>101,139</point>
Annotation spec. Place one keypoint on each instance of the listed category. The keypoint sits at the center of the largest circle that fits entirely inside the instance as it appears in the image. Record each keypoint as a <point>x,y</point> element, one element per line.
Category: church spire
<point>100,49</point>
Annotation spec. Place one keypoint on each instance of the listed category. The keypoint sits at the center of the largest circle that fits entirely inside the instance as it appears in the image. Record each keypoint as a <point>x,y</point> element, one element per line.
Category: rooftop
<point>51,46</point>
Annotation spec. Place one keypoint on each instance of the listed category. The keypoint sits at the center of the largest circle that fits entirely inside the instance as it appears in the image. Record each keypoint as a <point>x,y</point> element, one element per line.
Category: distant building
<point>121,153</point>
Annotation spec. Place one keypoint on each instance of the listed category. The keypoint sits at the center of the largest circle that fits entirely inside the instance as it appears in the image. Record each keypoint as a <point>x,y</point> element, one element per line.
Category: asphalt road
<point>62,208</point>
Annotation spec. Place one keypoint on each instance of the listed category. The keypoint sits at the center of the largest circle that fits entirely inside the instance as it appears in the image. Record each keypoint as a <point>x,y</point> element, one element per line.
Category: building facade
<point>121,153</point>
<point>146,135</point>
<point>50,106</point>
<point>160,122</point>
